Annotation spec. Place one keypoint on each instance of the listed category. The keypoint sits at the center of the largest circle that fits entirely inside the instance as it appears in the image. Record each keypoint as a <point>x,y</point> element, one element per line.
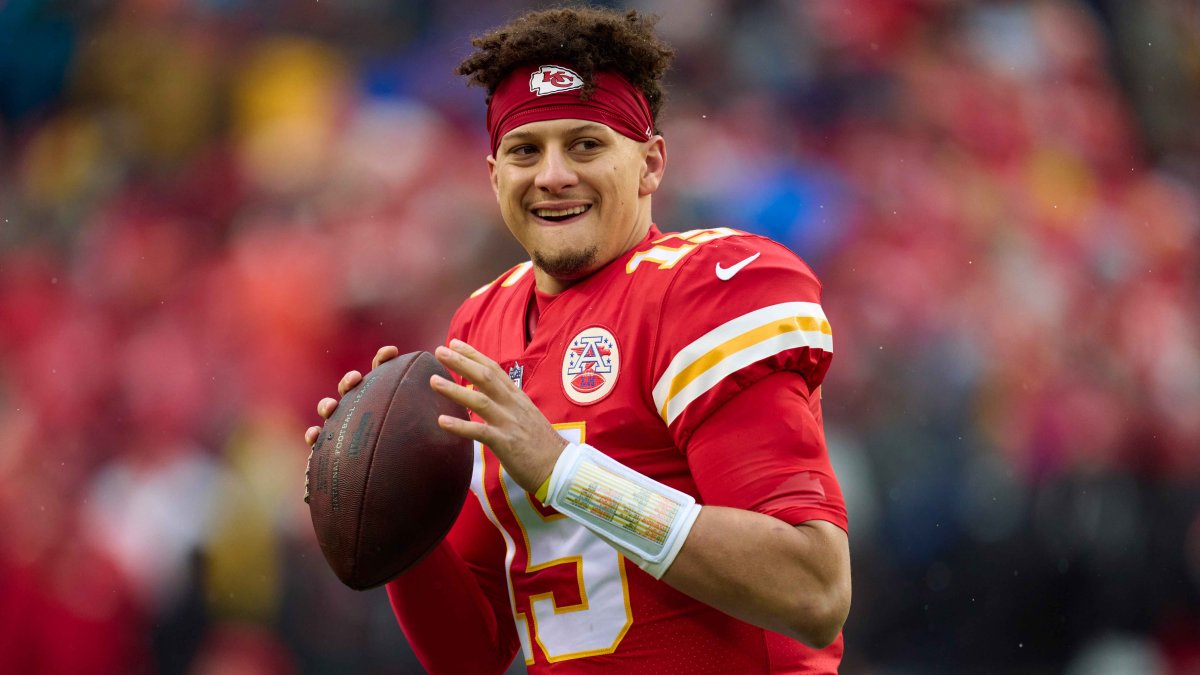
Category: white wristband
<point>646,520</point>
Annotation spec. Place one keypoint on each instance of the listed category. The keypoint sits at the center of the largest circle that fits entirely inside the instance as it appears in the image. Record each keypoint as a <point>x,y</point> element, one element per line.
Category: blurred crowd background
<point>211,209</point>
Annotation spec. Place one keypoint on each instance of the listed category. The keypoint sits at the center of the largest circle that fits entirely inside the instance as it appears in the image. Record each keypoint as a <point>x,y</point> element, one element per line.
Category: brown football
<point>384,481</point>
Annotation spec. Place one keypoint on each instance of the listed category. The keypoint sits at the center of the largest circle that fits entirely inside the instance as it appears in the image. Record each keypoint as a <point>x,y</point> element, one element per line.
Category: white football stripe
<point>731,330</point>
<point>726,332</point>
<point>735,362</point>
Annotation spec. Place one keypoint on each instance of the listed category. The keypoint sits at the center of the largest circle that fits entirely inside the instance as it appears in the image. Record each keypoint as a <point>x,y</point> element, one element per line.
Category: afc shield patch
<point>591,365</point>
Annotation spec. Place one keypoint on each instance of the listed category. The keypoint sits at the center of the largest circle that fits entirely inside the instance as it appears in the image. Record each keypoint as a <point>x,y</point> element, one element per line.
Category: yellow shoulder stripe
<point>510,277</point>
<point>735,344</point>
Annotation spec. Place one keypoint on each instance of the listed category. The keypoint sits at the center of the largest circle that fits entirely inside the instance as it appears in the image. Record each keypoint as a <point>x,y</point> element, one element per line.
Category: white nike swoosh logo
<point>726,273</point>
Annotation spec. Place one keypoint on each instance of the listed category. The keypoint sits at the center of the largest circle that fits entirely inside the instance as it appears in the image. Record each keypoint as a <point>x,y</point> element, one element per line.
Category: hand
<point>519,434</point>
<point>350,380</point>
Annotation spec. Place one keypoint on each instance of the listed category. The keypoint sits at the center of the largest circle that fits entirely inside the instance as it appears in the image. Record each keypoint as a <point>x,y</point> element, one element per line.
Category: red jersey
<point>645,361</point>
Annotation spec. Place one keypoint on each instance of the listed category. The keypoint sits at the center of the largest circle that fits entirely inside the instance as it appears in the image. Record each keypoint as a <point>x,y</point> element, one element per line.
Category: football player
<point>652,490</point>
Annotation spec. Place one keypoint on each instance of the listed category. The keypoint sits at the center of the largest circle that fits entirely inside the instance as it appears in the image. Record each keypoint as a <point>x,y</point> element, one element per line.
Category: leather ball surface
<point>384,482</point>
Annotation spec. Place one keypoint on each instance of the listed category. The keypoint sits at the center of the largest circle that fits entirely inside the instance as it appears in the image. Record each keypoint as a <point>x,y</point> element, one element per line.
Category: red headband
<point>553,92</point>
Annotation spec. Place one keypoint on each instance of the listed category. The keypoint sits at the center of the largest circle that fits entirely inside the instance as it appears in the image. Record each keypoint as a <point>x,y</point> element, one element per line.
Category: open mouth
<point>562,215</point>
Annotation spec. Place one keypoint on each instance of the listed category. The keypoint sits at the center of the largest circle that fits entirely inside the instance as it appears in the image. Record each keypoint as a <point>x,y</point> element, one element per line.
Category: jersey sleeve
<point>453,605</point>
<point>738,309</point>
<point>743,348</point>
<point>782,467</point>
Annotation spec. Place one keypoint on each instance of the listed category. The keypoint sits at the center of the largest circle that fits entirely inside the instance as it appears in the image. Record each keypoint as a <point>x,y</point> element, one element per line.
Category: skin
<point>792,580</point>
<point>558,164</point>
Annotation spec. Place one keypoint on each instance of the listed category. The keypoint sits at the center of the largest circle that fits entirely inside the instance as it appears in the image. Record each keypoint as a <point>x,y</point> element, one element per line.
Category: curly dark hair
<point>588,39</point>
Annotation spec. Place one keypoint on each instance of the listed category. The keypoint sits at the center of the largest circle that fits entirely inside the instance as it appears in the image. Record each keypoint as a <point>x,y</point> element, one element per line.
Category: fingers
<point>478,369</point>
<point>384,354</point>
<point>467,429</point>
<point>349,381</point>
<point>468,398</point>
<point>311,435</point>
<point>473,354</point>
<point>326,406</point>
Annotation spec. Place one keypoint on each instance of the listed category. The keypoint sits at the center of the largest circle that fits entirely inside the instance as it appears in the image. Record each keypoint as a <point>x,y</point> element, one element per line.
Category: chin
<point>567,264</point>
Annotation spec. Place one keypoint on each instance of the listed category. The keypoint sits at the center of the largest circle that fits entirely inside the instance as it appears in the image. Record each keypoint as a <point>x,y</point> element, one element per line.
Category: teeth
<point>559,213</point>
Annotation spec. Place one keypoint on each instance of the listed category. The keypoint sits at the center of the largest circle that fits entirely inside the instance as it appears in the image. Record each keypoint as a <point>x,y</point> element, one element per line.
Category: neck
<point>549,284</point>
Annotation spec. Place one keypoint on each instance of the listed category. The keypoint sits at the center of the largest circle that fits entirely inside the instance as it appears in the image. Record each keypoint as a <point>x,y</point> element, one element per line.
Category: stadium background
<point>212,208</point>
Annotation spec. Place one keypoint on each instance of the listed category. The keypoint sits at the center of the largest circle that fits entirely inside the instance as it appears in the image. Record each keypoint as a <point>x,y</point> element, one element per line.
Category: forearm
<point>753,566</point>
<point>447,618</point>
<point>792,580</point>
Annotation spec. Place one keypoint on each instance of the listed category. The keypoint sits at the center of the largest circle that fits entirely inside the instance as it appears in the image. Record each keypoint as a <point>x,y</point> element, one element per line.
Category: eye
<point>522,150</point>
<point>586,144</point>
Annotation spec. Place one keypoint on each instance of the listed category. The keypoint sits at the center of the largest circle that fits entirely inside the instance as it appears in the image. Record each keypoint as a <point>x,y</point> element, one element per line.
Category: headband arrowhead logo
<point>554,79</point>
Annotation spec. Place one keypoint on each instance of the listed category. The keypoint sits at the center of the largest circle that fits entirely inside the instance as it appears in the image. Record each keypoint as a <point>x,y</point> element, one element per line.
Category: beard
<point>568,265</point>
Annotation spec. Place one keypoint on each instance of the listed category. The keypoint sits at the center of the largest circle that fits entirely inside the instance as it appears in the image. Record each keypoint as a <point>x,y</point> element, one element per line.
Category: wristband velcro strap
<point>645,519</point>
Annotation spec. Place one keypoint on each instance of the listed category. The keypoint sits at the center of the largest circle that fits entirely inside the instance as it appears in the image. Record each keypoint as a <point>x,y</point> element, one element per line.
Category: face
<point>576,194</point>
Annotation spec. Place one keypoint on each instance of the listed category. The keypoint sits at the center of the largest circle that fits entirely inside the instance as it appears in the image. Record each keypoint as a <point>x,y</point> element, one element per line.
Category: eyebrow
<point>528,135</point>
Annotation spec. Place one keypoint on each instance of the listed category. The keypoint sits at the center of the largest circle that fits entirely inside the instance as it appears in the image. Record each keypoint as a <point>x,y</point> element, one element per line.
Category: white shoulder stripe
<point>749,338</point>
<point>518,273</point>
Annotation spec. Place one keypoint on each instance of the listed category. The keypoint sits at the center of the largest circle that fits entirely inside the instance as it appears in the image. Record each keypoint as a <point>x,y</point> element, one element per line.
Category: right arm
<point>454,611</point>
<point>453,604</point>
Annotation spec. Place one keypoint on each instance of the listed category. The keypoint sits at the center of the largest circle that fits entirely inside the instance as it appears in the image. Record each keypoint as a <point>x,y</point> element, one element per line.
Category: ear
<point>653,166</point>
<point>491,162</point>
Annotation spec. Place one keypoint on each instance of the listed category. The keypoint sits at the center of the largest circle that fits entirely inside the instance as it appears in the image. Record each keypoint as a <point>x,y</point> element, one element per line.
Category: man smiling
<point>566,192</point>
<point>652,491</point>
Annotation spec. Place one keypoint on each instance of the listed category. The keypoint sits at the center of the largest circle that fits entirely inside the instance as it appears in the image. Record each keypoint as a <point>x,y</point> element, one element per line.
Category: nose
<point>555,173</point>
